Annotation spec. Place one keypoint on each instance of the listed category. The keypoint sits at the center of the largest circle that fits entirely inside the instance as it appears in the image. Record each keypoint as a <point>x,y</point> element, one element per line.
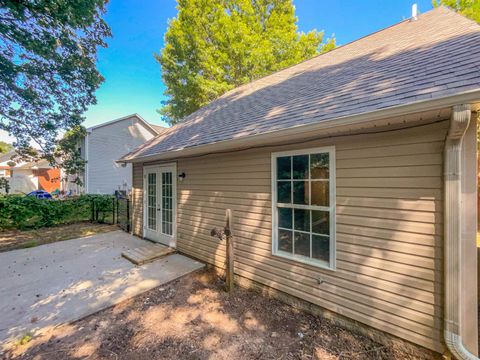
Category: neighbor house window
<point>303,184</point>
<point>3,173</point>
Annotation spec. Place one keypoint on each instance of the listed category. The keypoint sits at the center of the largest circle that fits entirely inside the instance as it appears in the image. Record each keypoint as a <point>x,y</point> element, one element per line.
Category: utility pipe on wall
<point>86,158</point>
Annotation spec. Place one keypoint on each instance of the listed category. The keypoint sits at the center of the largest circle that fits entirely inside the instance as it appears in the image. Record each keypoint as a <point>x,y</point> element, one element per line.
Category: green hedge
<point>28,212</point>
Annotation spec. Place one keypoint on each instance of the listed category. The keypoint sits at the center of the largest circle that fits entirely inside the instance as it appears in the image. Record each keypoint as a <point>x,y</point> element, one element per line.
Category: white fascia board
<point>472,96</point>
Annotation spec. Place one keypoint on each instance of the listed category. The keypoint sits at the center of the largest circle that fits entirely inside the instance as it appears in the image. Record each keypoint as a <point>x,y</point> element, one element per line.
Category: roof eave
<point>470,96</point>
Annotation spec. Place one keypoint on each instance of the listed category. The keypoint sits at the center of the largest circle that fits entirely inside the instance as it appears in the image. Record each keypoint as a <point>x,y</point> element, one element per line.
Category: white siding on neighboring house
<point>23,181</point>
<point>108,143</point>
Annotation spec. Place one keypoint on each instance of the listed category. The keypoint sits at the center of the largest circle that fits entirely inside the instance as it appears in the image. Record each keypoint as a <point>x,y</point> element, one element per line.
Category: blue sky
<point>132,76</point>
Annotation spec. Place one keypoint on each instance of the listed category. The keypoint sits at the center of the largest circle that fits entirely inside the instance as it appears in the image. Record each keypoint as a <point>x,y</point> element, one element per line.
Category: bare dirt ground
<point>193,318</point>
<point>16,239</point>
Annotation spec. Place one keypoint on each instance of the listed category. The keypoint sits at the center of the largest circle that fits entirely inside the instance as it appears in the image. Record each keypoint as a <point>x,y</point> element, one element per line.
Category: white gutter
<point>453,219</point>
<point>471,96</point>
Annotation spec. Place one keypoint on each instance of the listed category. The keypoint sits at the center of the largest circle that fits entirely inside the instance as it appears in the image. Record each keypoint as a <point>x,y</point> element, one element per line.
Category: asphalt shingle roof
<point>159,129</point>
<point>434,56</point>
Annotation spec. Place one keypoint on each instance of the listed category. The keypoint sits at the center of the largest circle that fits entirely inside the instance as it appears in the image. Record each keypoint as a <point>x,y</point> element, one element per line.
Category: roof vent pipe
<point>414,12</point>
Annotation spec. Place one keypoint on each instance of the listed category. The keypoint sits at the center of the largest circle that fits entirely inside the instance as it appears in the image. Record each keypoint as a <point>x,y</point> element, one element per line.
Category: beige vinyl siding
<point>389,227</point>
<point>137,199</point>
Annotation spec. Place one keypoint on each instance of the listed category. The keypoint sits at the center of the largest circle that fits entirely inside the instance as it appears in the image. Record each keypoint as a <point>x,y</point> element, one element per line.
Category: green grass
<point>30,244</point>
<point>25,339</point>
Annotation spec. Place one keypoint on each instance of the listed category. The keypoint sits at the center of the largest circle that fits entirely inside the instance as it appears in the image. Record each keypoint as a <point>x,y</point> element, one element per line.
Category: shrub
<point>28,212</point>
<point>100,206</point>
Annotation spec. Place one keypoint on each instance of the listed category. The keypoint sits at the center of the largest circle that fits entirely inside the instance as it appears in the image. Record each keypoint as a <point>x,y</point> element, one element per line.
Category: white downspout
<point>86,161</point>
<point>453,219</point>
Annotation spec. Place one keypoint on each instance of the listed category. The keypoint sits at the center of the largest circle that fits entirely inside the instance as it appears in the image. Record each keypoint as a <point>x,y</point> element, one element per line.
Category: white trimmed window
<point>3,173</point>
<point>303,198</point>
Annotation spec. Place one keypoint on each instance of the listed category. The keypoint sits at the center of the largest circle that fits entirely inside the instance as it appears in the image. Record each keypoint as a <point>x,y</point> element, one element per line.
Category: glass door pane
<point>152,201</point>
<point>167,203</point>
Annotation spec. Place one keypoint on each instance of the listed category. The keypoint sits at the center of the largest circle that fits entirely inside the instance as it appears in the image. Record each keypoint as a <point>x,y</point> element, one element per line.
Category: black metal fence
<point>122,212</point>
<point>114,210</point>
<point>102,209</point>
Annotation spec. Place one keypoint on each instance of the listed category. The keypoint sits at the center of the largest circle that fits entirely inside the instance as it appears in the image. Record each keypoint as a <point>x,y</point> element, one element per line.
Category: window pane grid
<point>301,231</point>
<point>308,207</point>
<point>167,203</point>
<point>152,201</point>
<point>303,185</point>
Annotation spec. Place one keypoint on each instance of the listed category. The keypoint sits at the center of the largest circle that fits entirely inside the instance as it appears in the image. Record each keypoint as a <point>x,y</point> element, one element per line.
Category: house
<point>103,145</point>
<point>29,175</point>
<point>351,177</point>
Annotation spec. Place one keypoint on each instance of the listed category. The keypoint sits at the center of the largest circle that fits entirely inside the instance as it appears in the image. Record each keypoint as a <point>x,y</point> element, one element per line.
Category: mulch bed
<point>16,239</point>
<point>194,318</point>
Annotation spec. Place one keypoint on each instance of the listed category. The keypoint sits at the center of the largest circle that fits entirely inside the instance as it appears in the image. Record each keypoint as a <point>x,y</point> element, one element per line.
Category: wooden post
<point>230,254</point>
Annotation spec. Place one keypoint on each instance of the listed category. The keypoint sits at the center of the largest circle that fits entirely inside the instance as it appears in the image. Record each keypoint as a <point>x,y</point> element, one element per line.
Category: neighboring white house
<point>107,142</point>
<point>26,176</point>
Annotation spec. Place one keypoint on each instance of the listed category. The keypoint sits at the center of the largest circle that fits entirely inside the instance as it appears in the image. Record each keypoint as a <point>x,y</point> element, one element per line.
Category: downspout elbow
<point>455,345</point>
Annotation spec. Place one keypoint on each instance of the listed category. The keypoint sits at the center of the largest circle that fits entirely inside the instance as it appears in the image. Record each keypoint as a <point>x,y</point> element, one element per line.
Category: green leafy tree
<point>4,185</point>
<point>68,154</point>
<point>213,46</point>
<point>5,147</point>
<point>48,72</point>
<point>468,8</point>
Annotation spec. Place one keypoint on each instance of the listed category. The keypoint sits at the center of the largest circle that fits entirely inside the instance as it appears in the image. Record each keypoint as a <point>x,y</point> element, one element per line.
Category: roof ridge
<point>352,42</point>
<point>458,14</point>
<point>187,119</point>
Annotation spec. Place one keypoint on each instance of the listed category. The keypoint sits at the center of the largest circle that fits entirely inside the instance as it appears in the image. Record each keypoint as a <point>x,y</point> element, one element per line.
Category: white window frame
<point>331,208</point>
<point>3,173</point>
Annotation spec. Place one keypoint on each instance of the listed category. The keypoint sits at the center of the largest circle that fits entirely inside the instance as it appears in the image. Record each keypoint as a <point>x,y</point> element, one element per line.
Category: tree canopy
<point>213,46</point>
<point>68,153</point>
<point>5,147</point>
<point>48,72</point>
<point>468,8</point>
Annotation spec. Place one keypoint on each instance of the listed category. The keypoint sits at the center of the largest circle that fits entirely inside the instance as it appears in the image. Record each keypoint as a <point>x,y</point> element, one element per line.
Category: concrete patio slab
<point>62,282</point>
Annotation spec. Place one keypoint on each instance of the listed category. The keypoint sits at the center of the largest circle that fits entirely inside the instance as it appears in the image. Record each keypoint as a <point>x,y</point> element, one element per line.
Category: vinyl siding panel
<point>389,227</point>
<point>137,199</point>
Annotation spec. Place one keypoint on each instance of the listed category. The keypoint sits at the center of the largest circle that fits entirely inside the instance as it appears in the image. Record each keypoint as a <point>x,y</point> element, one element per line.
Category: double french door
<point>160,204</point>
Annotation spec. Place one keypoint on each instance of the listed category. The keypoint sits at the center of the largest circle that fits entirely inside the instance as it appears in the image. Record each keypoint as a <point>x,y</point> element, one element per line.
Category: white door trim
<point>150,234</point>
